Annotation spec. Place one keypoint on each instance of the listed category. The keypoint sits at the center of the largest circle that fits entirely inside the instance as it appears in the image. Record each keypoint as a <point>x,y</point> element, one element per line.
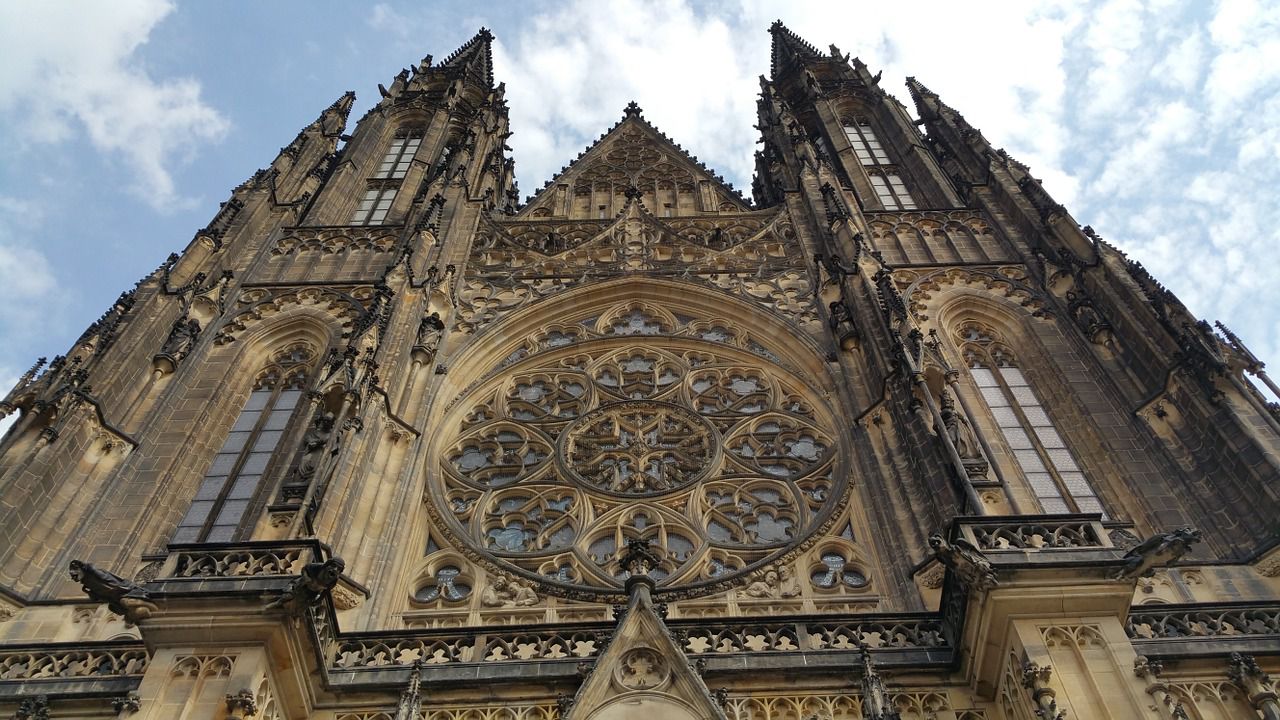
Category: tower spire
<point>787,47</point>
<point>475,55</point>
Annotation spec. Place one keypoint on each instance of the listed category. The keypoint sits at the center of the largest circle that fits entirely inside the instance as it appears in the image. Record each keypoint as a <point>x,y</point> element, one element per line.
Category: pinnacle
<point>632,110</point>
<point>787,46</point>
<point>478,49</point>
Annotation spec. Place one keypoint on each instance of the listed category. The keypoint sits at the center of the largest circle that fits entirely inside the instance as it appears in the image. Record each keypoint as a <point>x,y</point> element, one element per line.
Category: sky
<point>126,123</point>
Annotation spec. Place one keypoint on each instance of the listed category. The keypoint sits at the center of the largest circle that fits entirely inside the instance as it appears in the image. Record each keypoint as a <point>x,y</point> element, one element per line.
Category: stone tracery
<point>637,422</point>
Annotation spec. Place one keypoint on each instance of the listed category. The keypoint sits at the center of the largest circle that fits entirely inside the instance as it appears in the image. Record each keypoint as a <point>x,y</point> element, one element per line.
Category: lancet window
<point>395,163</point>
<point>234,479</point>
<point>865,143</point>
<point>891,191</point>
<point>385,183</point>
<point>1047,464</point>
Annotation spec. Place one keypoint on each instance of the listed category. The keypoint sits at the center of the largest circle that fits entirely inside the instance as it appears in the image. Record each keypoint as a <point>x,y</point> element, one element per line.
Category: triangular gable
<point>633,154</point>
<point>643,673</point>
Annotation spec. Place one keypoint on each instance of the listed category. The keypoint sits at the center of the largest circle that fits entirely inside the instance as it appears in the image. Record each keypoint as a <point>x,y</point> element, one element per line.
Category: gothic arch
<point>777,335</point>
<point>340,310</point>
<point>1023,334</point>
<point>649,409</point>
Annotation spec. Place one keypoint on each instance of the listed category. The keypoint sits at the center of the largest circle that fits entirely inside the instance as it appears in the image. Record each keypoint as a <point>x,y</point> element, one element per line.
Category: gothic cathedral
<point>894,439</point>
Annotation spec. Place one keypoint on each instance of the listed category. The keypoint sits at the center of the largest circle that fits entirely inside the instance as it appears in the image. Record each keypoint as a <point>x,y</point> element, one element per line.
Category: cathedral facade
<point>894,439</point>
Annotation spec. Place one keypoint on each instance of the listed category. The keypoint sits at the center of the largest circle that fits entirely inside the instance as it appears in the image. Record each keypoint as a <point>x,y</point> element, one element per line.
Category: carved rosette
<point>636,424</point>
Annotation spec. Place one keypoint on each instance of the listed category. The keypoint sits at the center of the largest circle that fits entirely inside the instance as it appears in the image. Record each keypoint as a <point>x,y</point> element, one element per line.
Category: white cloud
<point>1158,122</point>
<point>28,296</point>
<point>72,68</point>
<point>571,72</point>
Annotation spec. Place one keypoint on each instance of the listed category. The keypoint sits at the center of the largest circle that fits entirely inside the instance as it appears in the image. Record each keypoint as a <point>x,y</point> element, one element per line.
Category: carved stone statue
<point>777,582</point>
<point>429,331</point>
<point>121,596</point>
<point>313,446</point>
<point>508,593</point>
<point>788,584</point>
<point>966,561</point>
<point>1157,551</point>
<point>309,587</point>
<point>959,429</point>
<point>181,338</point>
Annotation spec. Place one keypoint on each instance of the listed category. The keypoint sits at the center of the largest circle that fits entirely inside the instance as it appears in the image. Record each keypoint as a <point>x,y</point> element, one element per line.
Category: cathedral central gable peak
<point>634,162</point>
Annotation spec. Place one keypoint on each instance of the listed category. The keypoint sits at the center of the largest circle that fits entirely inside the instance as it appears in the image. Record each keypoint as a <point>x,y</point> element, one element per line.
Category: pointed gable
<point>643,673</point>
<point>634,154</point>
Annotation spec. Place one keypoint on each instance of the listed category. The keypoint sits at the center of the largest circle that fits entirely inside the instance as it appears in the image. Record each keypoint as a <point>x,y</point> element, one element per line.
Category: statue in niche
<point>959,429</point>
<point>313,445</point>
<point>181,338</point>
<point>503,592</point>
<point>429,331</point>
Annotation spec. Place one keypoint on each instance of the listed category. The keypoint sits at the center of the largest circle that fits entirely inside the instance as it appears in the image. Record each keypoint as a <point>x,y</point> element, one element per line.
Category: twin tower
<point>894,439</point>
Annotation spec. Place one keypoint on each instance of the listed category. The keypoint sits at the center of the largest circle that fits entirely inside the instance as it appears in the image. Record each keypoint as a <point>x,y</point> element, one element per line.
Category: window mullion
<point>1039,447</point>
<point>234,474</point>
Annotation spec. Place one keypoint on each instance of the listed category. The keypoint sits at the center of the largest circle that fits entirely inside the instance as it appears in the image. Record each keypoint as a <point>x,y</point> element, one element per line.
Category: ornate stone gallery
<point>895,439</point>
<point>636,422</point>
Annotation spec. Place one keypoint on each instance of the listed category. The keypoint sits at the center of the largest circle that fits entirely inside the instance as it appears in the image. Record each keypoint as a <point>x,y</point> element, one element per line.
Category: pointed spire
<point>475,54</point>
<point>410,705</point>
<point>334,118</point>
<point>787,46</point>
<point>928,106</point>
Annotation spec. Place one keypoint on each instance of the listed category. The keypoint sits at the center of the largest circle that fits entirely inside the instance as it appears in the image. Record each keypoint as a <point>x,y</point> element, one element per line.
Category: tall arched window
<point>381,189</point>
<point>1046,462</point>
<point>234,478</point>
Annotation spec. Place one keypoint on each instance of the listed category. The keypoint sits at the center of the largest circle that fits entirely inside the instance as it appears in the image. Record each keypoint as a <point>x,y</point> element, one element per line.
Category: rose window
<point>636,424</point>
<point>638,448</point>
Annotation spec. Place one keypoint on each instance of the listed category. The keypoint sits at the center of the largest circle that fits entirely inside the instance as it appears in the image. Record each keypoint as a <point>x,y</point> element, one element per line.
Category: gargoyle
<point>309,587</point>
<point>121,596</point>
<point>966,561</point>
<point>1157,551</point>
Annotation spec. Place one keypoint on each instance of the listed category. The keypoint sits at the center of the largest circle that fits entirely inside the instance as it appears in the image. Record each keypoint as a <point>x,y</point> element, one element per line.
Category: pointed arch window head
<point>234,480</point>
<point>865,143</point>
<point>395,163</point>
<point>1039,450</point>
<point>891,192</point>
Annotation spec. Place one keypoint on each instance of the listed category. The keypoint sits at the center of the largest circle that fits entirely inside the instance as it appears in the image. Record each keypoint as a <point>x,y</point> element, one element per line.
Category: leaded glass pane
<point>197,513</point>
<point>1054,506</point>
<point>1050,438</point>
<point>1017,439</point>
<point>994,396</point>
<point>210,488</point>
<point>1004,417</point>
<point>983,377</point>
<point>1030,461</point>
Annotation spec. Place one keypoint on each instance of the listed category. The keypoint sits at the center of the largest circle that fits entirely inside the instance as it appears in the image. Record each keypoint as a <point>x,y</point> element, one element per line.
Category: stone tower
<point>896,439</point>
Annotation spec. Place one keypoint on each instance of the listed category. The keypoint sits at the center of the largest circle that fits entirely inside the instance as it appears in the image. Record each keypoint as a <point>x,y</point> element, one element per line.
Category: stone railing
<point>1208,620</point>
<point>1034,533</point>
<point>242,560</point>
<point>582,642</point>
<point>80,661</point>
